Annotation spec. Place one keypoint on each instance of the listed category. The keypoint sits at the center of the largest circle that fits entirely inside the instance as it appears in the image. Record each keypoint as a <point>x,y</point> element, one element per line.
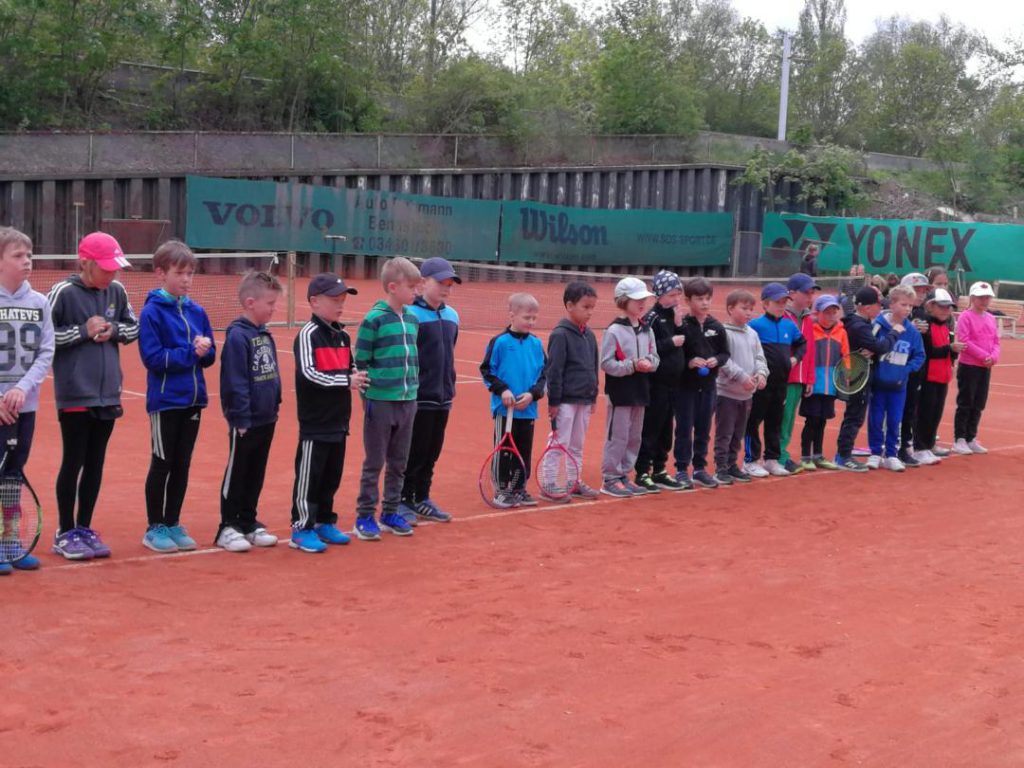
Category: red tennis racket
<point>557,471</point>
<point>503,474</point>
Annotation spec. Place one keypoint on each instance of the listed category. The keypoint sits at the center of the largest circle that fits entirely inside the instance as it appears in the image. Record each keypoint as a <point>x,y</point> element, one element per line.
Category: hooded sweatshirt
<point>572,366</point>
<point>250,382</point>
<point>168,327</point>
<point>87,374</point>
<point>746,360</point>
<point>622,346</point>
<point>905,357</point>
<point>26,313</point>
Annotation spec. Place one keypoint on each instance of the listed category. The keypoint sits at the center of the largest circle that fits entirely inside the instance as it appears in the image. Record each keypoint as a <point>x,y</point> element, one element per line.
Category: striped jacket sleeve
<point>65,332</point>
<point>126,326</point>
<point>306,358</point>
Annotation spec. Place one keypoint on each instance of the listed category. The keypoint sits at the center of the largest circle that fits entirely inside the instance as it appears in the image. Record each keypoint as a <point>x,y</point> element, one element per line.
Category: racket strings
<point>506,476</point>
<point>558,474</point>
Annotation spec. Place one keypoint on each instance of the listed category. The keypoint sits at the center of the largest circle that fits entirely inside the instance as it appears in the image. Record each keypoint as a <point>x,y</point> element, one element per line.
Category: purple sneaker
<point>71,545</point>
<point>93,541</point>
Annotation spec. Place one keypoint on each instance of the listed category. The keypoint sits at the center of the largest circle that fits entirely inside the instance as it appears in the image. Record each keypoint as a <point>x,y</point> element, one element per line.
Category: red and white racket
<point>503,474</point>
<point>557,471</point>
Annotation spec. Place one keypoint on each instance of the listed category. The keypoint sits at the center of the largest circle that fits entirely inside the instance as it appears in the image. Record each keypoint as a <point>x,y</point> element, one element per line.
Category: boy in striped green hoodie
<point>386,350</point>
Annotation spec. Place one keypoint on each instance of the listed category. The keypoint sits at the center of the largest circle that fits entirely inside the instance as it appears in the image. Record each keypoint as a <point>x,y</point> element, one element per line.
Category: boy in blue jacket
<point>250,395</point>
<point>435,343</point>
<point>889,380</point>
<point>176,344</point>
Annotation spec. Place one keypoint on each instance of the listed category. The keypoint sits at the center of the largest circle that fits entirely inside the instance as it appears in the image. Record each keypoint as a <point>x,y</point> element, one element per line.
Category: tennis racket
<point>557,471</point>
<point>852,374</point>
<point>21,516</point>
<point>503,474</point>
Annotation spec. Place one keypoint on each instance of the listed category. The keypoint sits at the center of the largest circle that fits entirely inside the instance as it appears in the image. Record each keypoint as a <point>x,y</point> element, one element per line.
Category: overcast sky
<point>996,20</point>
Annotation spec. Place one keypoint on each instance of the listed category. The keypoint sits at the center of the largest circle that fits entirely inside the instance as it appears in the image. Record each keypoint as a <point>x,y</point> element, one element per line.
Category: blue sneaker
<point>6,569</point>
<point>180,537</point>
<point>329,534</point>
<point>428,510</point>
<point>26,562</point>
<point>367,528</point>
<point>395,523</point>
<point>159,540</point>
<point>307,541</point>
<point>408,511</point>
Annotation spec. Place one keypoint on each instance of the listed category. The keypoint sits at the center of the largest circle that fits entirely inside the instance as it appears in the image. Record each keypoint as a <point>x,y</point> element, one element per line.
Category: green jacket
<point>386,349</point>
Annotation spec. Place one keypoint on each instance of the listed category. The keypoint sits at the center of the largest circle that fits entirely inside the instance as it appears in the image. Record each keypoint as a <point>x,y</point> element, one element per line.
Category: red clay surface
<point>818,620</point>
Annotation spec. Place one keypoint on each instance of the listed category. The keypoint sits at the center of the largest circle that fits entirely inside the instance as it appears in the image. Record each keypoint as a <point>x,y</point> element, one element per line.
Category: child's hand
<point>988,362</point>
<point>808,390</point>
<point>202,345</point>
<point>958,346</point>
<point>679,340</point>
<point>13,399</point>
<point>793,362</point>
<point>698,362</point>
<point>750,383</point>
<point>98,329</point>
<point>359,380</point>
<point>507,398</point>
<point>711,362</point>
<point>898,327</point>
<point>643,365</point>
<point>762,382</point>
<point>678,313</point>
<point>523,401</point>
<point>6,417</point>
<point>552,411</point>
<point>921,325</point>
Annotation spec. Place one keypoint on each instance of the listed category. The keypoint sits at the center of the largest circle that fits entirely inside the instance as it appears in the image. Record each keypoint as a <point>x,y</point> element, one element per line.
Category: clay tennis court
<point>823,619</point>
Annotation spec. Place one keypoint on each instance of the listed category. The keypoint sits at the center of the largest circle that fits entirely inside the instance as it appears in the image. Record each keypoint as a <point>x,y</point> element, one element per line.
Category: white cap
<point>914,280</point>
<point>941,297</point>
<point>633,288</point>
<point>982,289</point>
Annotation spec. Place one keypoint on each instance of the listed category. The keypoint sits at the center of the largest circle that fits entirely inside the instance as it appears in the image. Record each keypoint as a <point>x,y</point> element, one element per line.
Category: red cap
<point>104,250</point>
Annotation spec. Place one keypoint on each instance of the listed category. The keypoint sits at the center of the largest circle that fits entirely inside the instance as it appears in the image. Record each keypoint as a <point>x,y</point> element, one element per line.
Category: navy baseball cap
<point>328,284</point>
<point>439,269</point>
<point>774,292</point>
<point>801,282</point>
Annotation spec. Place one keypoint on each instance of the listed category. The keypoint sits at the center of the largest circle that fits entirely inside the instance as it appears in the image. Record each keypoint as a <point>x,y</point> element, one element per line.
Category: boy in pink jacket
<point>976,330</point>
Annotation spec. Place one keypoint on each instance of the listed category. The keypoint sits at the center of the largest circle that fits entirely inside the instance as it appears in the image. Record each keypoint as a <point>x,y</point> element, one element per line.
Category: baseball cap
<point>774,292</point>
<point>801,282</point>
<point>914,280</point>
<point>825,301</point>
<point>982,289</point>
<point>666,281</point>
<point>866,296</point>
<point>633,288</point>
<point>439,269</point>
<point>328,284</point>
<point>940,296</point>
<point>104,250</point>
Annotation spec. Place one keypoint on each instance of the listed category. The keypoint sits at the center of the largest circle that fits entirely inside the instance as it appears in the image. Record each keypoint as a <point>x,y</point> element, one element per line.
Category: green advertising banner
<point>237,215</point>
<point>981,251</point>
<point>551,234</point>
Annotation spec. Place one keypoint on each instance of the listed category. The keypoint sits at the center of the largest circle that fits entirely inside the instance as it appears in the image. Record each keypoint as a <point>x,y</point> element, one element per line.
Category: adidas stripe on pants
<point>243,478</point>
<point>318,467</point>
<point>173,435</point>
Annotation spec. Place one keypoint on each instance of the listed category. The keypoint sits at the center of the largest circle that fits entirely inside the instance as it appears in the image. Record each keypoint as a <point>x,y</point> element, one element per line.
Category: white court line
<point>486,516</point>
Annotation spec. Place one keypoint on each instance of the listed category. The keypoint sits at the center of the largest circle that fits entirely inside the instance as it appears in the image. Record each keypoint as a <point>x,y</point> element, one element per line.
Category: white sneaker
<point>776,469</point>
<point>261,537</point>
<point>894,464</point>
<point>755,469</point>
<point>961,448</point>
<point>926,457</point>
<point>933,458</point>
<point>976,447</point>
<point>232,540</point>
<point>874,462</point>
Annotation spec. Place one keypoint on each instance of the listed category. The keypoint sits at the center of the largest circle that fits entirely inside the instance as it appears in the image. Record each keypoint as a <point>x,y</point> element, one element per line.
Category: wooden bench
<point>1006,323</point>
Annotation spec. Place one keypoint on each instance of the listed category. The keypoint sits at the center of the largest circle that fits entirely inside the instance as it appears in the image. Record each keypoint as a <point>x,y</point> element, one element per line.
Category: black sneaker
<point>723,477</point>
<point>684,480</point>
<point>524,499</point>
<point>850,464</point>
<point>909,460</point>
<point>793,467</point>
<point>739,475</point>
<point>666,481</point>
<point>646,482</point>
<point>704,479</point>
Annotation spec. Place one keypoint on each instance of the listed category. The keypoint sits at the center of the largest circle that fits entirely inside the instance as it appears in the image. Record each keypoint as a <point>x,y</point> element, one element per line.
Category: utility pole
<point>784,86</point>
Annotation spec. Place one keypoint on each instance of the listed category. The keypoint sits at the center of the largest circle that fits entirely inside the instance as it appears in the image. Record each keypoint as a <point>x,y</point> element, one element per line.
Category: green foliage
<point>826,177</point>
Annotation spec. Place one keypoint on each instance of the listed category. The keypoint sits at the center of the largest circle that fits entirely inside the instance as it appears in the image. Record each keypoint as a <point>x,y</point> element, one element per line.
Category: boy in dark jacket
<point>91,318</point>
<point>324,379</point>
<point>666,323</point>
<point>435,344</point>
<point>862,338</point>
<point>571,374</point>
<point>250,395</point>
<point>706,349</point>
<point>176,344</point>
<point>784,347</point>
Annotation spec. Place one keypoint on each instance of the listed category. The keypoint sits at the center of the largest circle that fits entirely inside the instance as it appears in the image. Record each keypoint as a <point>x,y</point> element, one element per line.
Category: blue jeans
<point>885,412</point>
